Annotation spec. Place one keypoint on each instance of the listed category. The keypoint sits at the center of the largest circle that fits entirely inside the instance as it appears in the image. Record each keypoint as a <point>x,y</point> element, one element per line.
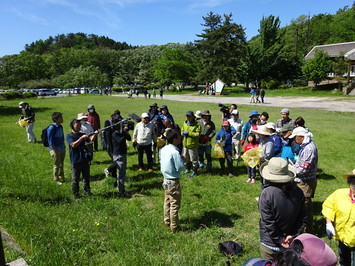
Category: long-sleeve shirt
<point>238,125</point>
<point>144,134</point>
<point>55,137</point>
<point>226,137</point>
<point>340,209</point>
<point>192,139</point>
<point>94,120</point>
<point>306,164</point>
<point>268,148</point>
<point>171,163</point>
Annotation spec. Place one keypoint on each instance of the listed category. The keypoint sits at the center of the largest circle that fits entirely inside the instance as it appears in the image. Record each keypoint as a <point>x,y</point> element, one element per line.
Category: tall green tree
<point>317,68</point>
<point>221,48</point>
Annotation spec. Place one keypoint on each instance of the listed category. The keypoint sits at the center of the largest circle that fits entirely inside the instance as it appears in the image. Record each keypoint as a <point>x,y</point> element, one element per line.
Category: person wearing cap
<point>275,138</point>
<point>281,206</point>
<point>198,115</point>
<point>86,128</point>
<point>339,208</point>
<point>165,114</point>
<point>285,119</point>
<point>144,135</point>
<point>28,114</point>
<point>224,137</point>
<point>290,148</point>
<point>306,169</point>
<point>247,126</point>
<point>56,145</point>
<point>94,121</point>
<point>237,124</point>
<point>208,130</point>
<point>306,249</point>
<point>190,131</point>
<point>156,120</point>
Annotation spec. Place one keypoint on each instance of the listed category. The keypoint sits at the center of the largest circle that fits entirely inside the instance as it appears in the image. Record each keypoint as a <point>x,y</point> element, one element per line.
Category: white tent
<point>218,86</point>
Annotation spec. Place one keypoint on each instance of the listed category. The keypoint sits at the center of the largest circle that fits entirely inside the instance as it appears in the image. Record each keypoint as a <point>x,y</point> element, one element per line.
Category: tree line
<point>273,57</point>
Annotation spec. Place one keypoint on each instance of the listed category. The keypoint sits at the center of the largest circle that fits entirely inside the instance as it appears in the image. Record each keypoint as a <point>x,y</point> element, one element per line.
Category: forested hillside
<point>274,56</point>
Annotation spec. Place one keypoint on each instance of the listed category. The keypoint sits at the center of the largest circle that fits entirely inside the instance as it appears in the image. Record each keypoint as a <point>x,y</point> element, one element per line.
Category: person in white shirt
<point>238,126</point>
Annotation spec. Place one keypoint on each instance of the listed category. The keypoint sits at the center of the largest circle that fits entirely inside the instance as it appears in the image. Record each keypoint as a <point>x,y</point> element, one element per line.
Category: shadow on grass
<point>97,177</point>
<point>55,200</point>
<point>144,188</point>
<point>324,176</point>
<point>8,111</point>
<point>211,218</point>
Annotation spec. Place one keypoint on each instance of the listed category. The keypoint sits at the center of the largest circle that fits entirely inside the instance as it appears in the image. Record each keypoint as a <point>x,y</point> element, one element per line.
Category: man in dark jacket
<point>282,208</point>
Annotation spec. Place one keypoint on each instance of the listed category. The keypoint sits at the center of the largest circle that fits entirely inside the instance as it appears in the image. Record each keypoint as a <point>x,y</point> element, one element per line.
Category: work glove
<point>186,133</point>
<point>330,229</point>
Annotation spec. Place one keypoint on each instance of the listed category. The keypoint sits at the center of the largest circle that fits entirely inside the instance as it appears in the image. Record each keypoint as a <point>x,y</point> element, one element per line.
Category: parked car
<point>46,92</point>
<point>95,91</point>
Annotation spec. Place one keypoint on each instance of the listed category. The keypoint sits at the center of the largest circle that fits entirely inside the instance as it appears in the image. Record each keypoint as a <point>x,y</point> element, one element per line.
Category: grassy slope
<point>105,230</point>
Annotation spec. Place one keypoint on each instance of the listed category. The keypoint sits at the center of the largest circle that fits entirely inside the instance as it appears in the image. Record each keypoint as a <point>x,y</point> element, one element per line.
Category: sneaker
<point>249,180</point>
<point>201,165</point>
<point>107,172</point>
<point>252,180</point>
<point>150,170</point>
<point>193,173</point>
<point>59,183</point>
<point>186,171</point>
<point>140,170</point>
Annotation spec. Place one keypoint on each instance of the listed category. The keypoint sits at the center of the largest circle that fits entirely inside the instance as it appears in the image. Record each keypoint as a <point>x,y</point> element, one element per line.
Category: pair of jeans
<point>229,157</point>
<point>77,169</point>
<point>345,253</point>
<point>205,150</point>
<point>251,172</point>
<point>30,135</point>
<point>147,149</point>
<point>121,162</point>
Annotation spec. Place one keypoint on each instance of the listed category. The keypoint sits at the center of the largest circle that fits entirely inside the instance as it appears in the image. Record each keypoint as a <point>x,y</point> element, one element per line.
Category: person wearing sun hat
<point>281,206</point>
<point>306,249</point>
<point>339,208</point>
<point>306,169</point>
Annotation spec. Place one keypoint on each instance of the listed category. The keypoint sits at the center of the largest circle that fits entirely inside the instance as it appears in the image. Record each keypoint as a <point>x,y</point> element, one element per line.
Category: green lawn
<point>53,229</point>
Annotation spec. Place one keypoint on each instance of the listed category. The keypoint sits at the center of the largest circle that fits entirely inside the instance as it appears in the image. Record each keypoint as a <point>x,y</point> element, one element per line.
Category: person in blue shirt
<point>55,136</point>
<point>224,137</point>
<point>171,165</point>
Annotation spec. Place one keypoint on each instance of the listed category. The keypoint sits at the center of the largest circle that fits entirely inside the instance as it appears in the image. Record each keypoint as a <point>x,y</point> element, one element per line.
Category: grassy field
<point>103,229</point>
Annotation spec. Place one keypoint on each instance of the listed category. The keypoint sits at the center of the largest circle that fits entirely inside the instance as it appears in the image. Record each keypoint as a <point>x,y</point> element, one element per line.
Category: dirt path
<point>339,104</point>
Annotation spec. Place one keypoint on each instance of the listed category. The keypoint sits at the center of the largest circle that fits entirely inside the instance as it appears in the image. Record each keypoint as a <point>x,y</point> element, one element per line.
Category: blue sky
<point>140,22</point>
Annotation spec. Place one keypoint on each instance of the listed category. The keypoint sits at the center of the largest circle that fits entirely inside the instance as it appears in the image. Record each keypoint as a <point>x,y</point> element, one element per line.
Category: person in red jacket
<point>94,121</point>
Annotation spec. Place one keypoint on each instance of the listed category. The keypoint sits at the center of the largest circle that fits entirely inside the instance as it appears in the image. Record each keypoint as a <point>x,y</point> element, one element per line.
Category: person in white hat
<point>144,135</point>
<point>285,119</point>
<point>275,138</point>
<point>237,124</point>
<point>28,115</point>
<point>86,128</point>
<point>306,169</point>
<point>281,206</point>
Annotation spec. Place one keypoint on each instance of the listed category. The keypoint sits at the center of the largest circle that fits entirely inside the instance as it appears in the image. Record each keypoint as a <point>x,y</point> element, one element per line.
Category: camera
<point>119,124</point>
<point>224,109</point>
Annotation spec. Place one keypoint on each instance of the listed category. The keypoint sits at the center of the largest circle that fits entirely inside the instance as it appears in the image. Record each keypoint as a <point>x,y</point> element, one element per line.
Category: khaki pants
<point>58,164</point>
<point>172,203</point>
<point>191,156</point>
<point>308,187</point>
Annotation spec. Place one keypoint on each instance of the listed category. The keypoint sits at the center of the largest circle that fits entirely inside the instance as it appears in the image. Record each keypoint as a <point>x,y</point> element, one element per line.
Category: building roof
<point>334,50</point>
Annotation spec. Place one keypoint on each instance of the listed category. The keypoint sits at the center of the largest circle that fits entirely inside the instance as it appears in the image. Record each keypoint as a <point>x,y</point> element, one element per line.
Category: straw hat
<point>352,174</point>
<point>277,170</point>
<point>262,130</point>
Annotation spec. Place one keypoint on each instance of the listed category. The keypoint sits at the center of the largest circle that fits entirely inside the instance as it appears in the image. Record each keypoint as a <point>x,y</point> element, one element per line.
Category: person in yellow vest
<point>339,208</point>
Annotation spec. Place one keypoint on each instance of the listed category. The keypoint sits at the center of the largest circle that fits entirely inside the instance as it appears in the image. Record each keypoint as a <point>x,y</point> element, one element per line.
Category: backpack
<point>44,136</point>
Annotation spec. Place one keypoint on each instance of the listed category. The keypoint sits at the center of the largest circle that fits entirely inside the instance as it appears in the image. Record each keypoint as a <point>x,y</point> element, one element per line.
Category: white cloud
<point>30,17</point>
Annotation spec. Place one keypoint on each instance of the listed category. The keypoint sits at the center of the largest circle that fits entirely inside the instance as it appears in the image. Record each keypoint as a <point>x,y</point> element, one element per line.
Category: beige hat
<point>271,125</point>
<point>81,116</point>
<point>262,130</point>
<point>198,114</point>
<point>352,174</point>
<point>299,131</point>
<point>277,170</point>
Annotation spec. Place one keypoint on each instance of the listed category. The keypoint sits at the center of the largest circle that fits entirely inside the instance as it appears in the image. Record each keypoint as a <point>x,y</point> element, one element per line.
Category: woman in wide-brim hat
<point>339,208</point>
<point>281,206</point>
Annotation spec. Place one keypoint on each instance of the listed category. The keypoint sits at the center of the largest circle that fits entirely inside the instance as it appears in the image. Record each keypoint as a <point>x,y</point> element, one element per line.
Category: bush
<point>270,84</point>
<point>11,95</point>
<point>29,94</point>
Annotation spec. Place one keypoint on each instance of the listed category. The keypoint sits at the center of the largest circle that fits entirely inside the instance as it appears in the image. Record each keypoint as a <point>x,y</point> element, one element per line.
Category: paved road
<point>340,104</point>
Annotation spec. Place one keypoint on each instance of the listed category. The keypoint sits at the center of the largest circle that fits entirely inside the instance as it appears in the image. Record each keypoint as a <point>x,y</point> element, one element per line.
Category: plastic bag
<point>252,156</point>
<point>218,151</point>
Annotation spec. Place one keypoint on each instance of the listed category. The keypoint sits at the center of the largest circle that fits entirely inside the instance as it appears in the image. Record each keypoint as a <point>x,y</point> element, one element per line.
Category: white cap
<point>144,115</point>
<point>299,131</point>
<point>81,116</point>
<point>235,112</point>
<point>270,125</point>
